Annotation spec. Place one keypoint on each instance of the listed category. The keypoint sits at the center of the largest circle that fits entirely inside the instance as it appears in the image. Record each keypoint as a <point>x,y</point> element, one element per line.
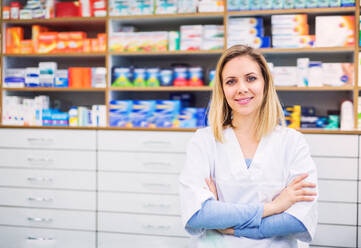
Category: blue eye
<point>251,78</point>
<point>229,82</point>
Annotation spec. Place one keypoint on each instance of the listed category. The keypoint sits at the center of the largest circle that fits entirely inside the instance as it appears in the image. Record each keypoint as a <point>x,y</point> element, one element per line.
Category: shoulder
<point>202,135</point>
<point>287,133</point>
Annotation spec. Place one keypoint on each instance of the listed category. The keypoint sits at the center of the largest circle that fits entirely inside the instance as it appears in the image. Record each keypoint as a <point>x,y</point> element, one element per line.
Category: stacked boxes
<point>291,31</point>
<point>333,31</point>
<point>247,31</point>
<point>201,37</point>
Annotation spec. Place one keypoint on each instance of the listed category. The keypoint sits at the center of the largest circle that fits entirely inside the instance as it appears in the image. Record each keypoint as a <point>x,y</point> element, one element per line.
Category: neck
<point>244,125</point>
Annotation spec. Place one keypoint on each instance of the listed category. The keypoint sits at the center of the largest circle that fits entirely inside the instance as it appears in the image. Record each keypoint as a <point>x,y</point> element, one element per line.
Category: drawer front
<point>141,162</point>
<point>16,237</point>
<point>336,168</point>
<point>335,236</point>
<point>81,180</point>
<point>143,141</point>
<point>48,159</point>
<point>142,183</point>
<point>337,213</point>
<point>139,203</point>
<point>141,224</point>
<point>48,139</point>
<point>333,145</point>
<point>79,220</point>
<point>338,191</point>
<point>109,240</point>
<point>41,198</point>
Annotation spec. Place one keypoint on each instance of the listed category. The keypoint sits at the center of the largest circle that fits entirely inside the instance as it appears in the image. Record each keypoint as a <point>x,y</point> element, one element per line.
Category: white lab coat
<point>279,158</point>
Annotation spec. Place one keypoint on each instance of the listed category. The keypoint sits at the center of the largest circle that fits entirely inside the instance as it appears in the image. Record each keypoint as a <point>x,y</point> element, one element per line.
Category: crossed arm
<point>254,221</point>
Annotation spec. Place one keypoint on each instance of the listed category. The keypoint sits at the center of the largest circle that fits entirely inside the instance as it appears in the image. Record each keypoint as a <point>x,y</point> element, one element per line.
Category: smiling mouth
<point>244,100</point>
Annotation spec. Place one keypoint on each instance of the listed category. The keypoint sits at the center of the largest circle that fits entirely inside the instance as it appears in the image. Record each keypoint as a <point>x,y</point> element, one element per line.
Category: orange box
<point>47,42</point>
<point>62,42</point>
<point>87,46</point>
<point>14,36</point>
<point>94,44</point>
<point>102,39</point>
<point>35,32</point>
<point>26,47</point>
<point>79,77</point>
<point>76,41</point>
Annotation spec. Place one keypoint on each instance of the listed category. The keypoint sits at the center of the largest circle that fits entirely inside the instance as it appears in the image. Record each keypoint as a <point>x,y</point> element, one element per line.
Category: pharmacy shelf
<point>170,16</point>
<point>195,52</point>
<point>60,20</point>
<point>348,49</point>
<point>97,54</point>
<point>322,88</point>
<point>164,88</point>
<point>292,11</point>
<point>46,89</point>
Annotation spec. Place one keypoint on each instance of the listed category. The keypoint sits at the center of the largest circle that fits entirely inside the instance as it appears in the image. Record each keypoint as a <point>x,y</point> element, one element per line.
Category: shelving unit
<point>165,58</point>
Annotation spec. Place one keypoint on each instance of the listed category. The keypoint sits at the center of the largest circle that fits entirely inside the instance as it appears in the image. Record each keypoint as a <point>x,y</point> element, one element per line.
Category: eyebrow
<point>248,74</point>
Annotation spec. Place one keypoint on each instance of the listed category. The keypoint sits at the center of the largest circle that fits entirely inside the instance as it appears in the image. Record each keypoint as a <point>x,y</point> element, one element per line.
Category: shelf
<point>322,88</point>
<point>60,20</point>
<point>170,16</point>
<point>42,89</point>
<point>164,88</point>
<point>98,54</point>
<point>323,131</point>
<point>198,52</point>
<point>307,50</point>
<point>291,11</point>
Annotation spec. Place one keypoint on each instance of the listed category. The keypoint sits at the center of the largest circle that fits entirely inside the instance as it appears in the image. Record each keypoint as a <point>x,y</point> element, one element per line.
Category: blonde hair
<point>220,114</point>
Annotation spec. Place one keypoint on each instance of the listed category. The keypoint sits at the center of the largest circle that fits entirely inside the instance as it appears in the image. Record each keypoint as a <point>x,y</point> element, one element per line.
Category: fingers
<point>305,199</point>
<point>304,185</point>
<point>299,179</point>
<point>304,192</point>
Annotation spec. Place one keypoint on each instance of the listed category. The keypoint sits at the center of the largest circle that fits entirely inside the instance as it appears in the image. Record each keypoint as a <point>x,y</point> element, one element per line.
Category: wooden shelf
<point>199,52</point>
<point>307,50</point>
<point>103,54</point>
<point>322,88</point>
<point>80,20</point>
<point>170,16</point>
<point>290,11</point>
<point>42,89</point>
<point>164,88</point>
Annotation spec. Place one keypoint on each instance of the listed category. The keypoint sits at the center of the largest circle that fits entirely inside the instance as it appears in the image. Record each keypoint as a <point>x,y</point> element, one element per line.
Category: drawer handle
<point>40,140</point>
<point>39,160</point>
<point>156,143</point>
<point>152,205</point>
<point>159,227</point>
<point>34,219</point>
<point>147,164</point>
<point>40,179</point>
<point>40,199</point>
<point>40,239</point>
<point>162,185</point>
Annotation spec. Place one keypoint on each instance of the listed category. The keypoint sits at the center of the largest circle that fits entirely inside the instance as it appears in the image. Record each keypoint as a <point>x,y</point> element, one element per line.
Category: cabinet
<point>323,98</point>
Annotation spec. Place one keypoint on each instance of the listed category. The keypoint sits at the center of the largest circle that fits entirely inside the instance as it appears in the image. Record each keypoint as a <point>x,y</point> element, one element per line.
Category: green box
<point>244,4</point>
<point>266,4</point>
<point>255,4</point>
<point>300,4</point>
<point>288,4</point>
<point>311,3</point>
<point>277,4</point>
<point>335,3</point>
<point>323,3</point>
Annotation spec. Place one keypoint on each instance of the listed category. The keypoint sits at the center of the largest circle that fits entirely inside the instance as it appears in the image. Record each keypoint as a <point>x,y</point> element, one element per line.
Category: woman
<point>258,166</point>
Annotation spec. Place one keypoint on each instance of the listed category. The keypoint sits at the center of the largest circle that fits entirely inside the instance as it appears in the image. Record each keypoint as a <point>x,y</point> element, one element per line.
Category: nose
<point>242,87</point>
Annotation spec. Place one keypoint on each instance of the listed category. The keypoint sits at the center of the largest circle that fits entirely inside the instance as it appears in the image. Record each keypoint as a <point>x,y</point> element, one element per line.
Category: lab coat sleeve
<point>300,162</point>
<point>193,189</point>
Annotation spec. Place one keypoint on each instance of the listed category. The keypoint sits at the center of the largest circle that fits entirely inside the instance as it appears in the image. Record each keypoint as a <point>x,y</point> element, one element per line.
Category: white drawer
<point>16,237</point>
<point>139,203</point>
<point>79,220</point>
<point>333,145</point>
<point>48,159</point>
<point>141,162</point>
<point>338,191</point>
<point>335,236</point>
<point>337,213</point>
<point>142,183</point>
<point>141,224</point>
<point>110,240</point>
<point>143,141</point>
<point>48,198</point>
<point>336,168</point>
<point>50,179</point>
<point>48,139</point>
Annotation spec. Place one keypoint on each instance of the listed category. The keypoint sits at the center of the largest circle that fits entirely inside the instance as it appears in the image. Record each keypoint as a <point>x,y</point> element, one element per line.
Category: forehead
<point>241,65</point>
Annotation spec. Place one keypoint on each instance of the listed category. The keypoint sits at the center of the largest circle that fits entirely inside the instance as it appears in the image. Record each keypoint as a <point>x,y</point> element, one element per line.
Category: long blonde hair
<point>220,114</point>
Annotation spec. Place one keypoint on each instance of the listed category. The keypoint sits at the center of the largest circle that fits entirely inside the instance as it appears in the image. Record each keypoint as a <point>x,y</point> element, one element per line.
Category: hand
<point>212,187</point>
<point>293,193</point>
<point>228,231</point>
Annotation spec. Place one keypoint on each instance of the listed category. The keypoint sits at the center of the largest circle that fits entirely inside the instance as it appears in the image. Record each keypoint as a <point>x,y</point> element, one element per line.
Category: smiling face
<point>243,86</point>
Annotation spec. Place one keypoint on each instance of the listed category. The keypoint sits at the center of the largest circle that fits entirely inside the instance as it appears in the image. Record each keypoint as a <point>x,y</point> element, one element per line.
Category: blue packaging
<point>180,76</point>
<point>152,77</point>
<point>347,3</point>
<point>165,113</point>
<point>187,99</point>
<point>212,74</point>
<point>233,5</point>
<point>141,112</point>
<point>60,119</point>
<point>61,79</point>
<point>201,116</point>
<point>140,77</point>
<point>46,117</point>
<point>187,118</point>
<point>119,114</point>
<point>166,77</point>
<point>195,76</point>
<point>122,77</point>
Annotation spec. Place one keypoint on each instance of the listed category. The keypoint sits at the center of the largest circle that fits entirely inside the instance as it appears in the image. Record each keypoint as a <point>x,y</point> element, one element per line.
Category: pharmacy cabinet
<point>21,237</point>
<point>335,235</point>
<point>48,188</point>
